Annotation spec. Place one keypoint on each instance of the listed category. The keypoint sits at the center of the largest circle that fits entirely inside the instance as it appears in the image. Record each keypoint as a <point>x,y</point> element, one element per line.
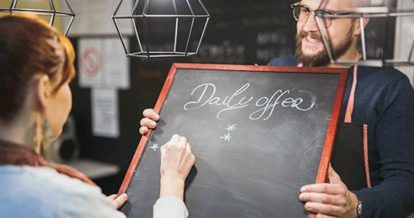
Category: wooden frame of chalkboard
<point>316,79</point>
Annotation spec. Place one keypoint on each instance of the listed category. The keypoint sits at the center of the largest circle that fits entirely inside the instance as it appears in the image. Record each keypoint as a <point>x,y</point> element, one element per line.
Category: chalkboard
<point>258,134</point>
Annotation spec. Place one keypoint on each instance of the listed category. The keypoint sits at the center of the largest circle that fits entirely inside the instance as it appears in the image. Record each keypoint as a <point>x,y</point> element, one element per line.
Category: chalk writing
<point>231,127</point>
<point>154,147</point>
<point>280,97</point>
<point>226,137</point>
<point>206,94</point>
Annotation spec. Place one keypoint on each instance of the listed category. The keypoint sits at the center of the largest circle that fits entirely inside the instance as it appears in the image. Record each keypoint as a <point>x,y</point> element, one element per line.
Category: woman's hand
<point>176,162</point>
<point>118,199</point>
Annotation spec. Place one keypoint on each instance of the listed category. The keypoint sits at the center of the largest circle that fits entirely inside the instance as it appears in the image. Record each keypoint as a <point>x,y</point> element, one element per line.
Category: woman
<point>36,66</point>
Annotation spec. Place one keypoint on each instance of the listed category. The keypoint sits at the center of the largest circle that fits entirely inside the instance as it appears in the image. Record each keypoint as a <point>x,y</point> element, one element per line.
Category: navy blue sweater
<point>384,100</point>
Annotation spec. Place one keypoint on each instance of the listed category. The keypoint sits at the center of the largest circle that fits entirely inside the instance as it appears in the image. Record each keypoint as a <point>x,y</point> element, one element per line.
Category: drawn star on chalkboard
<point>154,147</point>
<point>226,137</point>
<point>231,127</point>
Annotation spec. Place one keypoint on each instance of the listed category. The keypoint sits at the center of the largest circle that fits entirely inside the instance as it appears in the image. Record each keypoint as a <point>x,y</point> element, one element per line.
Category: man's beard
<point>321,58</point>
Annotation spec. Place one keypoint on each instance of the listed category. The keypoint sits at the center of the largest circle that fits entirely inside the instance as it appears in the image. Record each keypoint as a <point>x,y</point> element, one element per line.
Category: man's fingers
<point>322,198</point>
<point>334,178</point>
<point>334,189</point>
<point>148,123</point>
<point>324,216</point>
<point>151,114</point>
<point>329,199</point>
<point>143,130</point>
<point>329,210</point>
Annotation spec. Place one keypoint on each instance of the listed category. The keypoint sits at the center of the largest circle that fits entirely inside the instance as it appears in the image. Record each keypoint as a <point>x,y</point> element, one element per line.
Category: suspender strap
<point>366,162</point>
<point>348,119</point>
<point>350,105</point>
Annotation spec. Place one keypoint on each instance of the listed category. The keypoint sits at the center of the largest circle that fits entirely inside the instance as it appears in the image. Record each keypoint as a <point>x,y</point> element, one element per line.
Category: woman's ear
<point>363,21</point>
<point>42,91</point>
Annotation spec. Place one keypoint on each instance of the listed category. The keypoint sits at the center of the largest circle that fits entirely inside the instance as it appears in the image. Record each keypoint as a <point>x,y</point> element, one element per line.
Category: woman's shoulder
<point>32,178</point>
<point>43,192</point>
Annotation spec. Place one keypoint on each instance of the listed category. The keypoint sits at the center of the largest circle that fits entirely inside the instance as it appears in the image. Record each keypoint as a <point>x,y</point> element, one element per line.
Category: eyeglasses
<point>301,13</point>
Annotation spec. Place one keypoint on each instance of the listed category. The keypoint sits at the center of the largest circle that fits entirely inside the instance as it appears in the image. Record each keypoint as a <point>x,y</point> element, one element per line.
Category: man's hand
<point>149,120</point>
<point>176,163</point>
<point>330,200</point>
<point>119,200</point>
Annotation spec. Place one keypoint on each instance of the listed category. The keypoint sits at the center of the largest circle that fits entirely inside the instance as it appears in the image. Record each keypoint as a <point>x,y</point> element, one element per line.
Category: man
<point>383,100</point>
<point>379,99</point>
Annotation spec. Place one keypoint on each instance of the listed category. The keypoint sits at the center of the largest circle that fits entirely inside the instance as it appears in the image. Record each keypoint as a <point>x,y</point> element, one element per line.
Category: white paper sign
<point>105,115</point>
<point>102,63</point>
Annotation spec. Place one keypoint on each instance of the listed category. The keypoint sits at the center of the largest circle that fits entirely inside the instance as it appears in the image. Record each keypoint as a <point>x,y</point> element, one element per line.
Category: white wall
<point>404,37</point>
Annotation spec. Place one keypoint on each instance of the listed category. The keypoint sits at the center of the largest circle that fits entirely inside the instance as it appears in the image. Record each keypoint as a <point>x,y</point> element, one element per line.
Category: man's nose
<point>310,24</point>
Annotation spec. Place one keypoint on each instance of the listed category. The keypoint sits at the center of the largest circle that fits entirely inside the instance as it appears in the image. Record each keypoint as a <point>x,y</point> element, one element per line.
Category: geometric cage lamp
<point>163,28</point>
<point>49,10</point>
<point>370,55</point>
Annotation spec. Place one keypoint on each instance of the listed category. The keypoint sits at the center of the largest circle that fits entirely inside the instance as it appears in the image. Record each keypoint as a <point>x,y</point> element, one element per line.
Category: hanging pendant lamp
<point>164,28</point>
<point>50,10</point>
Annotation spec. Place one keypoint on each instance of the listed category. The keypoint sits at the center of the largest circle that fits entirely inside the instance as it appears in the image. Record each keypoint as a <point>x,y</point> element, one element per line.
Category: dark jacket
<point>384,100</point>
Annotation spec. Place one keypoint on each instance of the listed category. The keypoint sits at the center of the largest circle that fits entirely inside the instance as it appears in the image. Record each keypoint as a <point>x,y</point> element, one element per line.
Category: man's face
<point>309,46</point>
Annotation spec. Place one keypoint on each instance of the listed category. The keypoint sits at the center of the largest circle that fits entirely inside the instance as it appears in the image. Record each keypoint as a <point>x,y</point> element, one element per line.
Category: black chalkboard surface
<point>258,134</point>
